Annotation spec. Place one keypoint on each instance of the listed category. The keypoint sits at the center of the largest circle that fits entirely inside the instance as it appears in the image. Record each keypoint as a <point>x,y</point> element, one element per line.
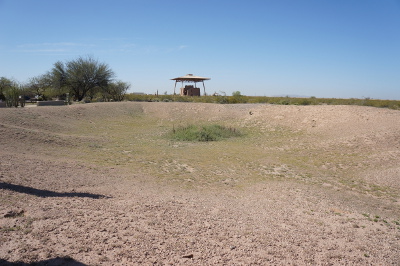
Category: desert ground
<point>102,184</point>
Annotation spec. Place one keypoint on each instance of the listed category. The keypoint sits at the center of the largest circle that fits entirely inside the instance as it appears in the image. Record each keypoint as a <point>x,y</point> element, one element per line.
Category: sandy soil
<point>57,209</point>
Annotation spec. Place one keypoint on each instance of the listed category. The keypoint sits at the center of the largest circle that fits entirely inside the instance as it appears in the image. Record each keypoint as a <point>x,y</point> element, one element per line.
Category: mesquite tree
<point>39,86</point>
<point>115,91</point>
<point>81,76</point>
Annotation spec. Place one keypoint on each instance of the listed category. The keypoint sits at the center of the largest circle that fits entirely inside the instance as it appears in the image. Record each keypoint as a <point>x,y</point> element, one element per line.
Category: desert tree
<point>115,91</point>
<point>58,76</point>
<point>81,77</point>
<point>40,86</point>
<point>11,92</point>
<point>5,84</point>
<point>86,74</point>
<point>237,97</point>
<point>236,94</point>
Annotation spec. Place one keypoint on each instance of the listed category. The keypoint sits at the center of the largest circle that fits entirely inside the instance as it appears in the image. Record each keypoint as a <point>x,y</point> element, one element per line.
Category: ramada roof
<point>190,77</point>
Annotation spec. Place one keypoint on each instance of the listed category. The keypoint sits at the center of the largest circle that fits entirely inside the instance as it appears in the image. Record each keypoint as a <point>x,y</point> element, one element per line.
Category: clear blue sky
<point>322,48</point>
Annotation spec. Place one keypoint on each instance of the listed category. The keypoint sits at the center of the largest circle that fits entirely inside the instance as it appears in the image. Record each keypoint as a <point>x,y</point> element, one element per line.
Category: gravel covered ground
<point>98,184</point>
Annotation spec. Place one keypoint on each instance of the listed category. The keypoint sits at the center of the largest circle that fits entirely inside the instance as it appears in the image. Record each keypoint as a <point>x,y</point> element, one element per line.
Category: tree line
<point>80,79</point>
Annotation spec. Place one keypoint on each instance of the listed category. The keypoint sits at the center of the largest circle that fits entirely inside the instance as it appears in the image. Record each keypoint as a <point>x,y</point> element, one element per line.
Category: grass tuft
<point>203,133</point>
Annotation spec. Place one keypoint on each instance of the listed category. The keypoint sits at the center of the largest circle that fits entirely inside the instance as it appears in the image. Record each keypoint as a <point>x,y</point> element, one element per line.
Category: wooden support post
<point>175,86</point>
<point>204,89</point>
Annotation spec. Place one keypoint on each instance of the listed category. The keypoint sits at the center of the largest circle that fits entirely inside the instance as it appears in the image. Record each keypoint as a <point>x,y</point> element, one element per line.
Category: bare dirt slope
<point>100,184</point>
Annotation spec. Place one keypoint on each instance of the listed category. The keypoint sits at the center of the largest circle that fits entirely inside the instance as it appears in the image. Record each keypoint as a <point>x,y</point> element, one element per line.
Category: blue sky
<point>321,48</point>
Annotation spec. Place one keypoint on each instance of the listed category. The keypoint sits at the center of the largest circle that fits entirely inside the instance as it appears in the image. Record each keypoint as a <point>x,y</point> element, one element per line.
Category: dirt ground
<point>307,185</point>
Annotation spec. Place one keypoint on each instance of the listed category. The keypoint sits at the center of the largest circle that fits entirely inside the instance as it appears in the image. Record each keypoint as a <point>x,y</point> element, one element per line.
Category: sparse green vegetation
<point>238,98</point>
<point>10,229</point>
<point>10,92</point>
<point>167,141</point>
<point>203,133</point>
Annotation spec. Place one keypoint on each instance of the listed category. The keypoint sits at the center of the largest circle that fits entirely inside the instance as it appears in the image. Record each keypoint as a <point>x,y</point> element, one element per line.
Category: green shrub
<point>13,96</point>
<point>221,99</point>
<point>203,133</point>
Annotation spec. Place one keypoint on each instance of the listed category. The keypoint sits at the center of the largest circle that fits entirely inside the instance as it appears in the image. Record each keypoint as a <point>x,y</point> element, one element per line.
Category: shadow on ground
<point>47,193</point>
<point>67,261</point>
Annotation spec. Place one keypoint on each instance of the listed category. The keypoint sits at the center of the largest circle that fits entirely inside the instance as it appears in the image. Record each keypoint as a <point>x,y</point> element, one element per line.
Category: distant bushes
<point>222,99</point>
<point>83,79</point>
<point>10,93</point>
<point>203,133</point>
